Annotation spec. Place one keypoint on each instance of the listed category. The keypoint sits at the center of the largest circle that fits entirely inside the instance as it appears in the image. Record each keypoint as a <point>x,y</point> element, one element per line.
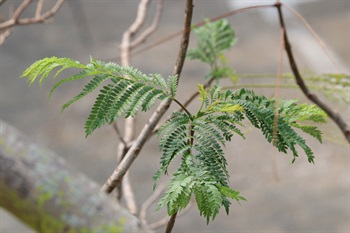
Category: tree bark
<point>49,195</point>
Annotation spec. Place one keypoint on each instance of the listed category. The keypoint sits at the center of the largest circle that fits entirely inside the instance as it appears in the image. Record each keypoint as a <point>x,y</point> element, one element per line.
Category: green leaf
<point>131,90</point>
<point>213,39</point>
<point>179,193</point>
<point>202,92</point>
<point>173,82</point>
<point>228,192</point>
<point>45,66</point>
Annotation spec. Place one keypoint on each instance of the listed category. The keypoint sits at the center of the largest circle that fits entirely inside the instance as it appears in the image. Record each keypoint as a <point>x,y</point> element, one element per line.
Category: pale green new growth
<point>213,39</point>
<point>129,91</point>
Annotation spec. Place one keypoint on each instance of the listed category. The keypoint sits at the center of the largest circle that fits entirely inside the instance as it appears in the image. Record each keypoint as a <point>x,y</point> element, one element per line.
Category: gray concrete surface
<point>296,197</point>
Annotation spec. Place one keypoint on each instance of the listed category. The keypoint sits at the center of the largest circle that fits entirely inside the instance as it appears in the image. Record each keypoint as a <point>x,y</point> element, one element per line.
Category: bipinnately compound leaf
<point>129,91</point>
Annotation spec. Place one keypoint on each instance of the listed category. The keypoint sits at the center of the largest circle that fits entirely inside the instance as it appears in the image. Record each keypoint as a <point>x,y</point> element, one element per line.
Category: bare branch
<point>115,179</point>
<point>16,20</point>
<point>20,10</point>
<point>4,35</point>
<point>336,117</point>
<point>39,8</point>
<point>135,27</point>
<point>6,26</point>
<point>128,194</point>
<point>153,26</point>
<point>48,14</point>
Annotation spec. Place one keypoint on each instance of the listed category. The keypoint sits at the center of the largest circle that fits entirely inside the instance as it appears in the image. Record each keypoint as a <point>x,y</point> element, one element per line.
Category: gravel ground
<point>282,197</point>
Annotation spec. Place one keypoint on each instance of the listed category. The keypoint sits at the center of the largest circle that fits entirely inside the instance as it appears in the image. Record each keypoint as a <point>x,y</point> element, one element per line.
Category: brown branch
<point>115,179</point>
<point>16,20</point>
<point>171,223</point>
<point>336,117</point>
<point>153,26</point>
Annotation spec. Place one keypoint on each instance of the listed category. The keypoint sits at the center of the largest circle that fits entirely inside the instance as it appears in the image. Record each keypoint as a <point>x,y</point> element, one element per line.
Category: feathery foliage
<point>129,91</point>
<point>213,39</point>
<point>198,139</point>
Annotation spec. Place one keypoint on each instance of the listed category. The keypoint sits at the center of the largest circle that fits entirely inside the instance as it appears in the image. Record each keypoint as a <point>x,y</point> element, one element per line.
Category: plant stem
<point>184,108</point>
<point>171,222</point>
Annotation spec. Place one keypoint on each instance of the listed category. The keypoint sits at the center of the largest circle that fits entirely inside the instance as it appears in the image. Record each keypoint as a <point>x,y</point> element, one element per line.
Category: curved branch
<point>336,117</point>
<point>151,28</point>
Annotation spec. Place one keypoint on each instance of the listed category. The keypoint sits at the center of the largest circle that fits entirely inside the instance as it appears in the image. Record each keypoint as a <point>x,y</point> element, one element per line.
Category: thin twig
<point>39,8</point>
<point>336,117</point>
<point>7,32</point>
<point>125,45</point>
<point>4,35</point>
<point>145,206</point>
<point>145,34</point>
<point>115,179</point>
<point>16,20</point>
<point>314,34</point>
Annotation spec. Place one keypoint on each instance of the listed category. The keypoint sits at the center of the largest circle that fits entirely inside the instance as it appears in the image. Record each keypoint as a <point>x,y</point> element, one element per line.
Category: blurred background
<point>282,197</point>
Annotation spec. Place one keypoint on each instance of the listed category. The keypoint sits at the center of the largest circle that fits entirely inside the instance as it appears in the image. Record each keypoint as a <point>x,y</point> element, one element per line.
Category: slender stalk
<point>183,108</point>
